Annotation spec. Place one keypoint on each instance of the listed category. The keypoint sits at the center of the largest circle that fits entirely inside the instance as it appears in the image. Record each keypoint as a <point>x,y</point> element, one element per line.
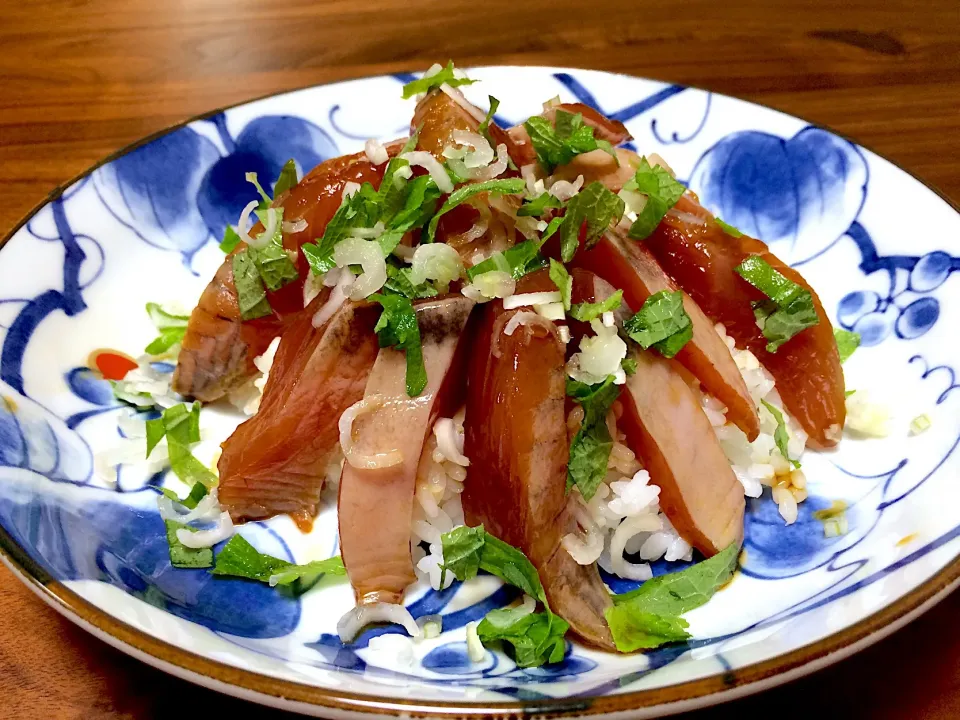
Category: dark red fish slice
<point>375,505</point>
<point>276,461</point>
<point>701,258</point>
<point>219,347</point>
<point>516,439</point>
<point>628,265</point>
<point>667,429</point>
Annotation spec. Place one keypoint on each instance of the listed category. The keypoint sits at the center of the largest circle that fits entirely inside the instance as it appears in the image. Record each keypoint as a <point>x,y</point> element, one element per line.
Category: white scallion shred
<point>475,650</point>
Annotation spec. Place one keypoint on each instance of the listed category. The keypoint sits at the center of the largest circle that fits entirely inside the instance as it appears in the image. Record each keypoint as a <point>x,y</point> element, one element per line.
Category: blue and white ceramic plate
<point>879,247</point>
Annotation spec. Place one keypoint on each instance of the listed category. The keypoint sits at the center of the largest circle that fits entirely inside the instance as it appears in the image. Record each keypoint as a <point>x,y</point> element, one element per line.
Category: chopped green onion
<point>239,558</point>
<point>484,128</point>
<point>568,137</point>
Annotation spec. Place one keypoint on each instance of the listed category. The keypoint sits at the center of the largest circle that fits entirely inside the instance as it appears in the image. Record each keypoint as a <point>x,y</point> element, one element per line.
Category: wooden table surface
<point>83,79</point>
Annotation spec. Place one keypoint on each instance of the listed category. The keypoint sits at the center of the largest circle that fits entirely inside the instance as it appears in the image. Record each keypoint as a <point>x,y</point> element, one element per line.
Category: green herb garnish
<point>586,312</point>
<point>568,137</point>
<point>426,84</point>
<point>649,616</point>
<point>594,206</point>
<point>239,558</point>
<point>561,278</point>
<point>539,205</point>
<point>397,327</point>
<point>509,186</point>
<point>728,229</point>
<point>662,192</point>
<point>230,240</point>
<point>790,308</point>
<point>780,435</point>
<point>661,323</point>
<point>172,329</point>
<point>847,343</point>
<point>182,556</point>
<point>591,446</point>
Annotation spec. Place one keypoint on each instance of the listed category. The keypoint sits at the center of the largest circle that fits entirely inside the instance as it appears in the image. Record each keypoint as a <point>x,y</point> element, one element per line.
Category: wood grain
<point>83,79</point>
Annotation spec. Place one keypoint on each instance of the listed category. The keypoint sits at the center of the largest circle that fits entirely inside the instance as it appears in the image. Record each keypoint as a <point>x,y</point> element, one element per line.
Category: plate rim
<point>305,698</point>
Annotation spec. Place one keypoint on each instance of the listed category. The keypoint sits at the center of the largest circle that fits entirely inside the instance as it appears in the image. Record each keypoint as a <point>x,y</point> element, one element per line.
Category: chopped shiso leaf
<point>662,192</point>
<point>239,558</point>
<point>230,240</point>
<point>181,426</point>
<point>539,205</point>
<point>780,436</point>
<point>251,294</point>
<point>508,186</point>
<point>729,229</point>
<point>182,556</point>
<point>629,365</point>
<point>594,206</point>
<point>790,307</point>
<point>197,493</point>
<point>287,179</point>
<point>519,260</point>
<point>399,283</point>
<point>397,327</point>
<point>920,424</point>
<point>484,128</point>
<point>469,549</point>
<point>847,343</point>
<point>661,323</point>
<point>568,137</point>
<point>591,446</point>
<point>426,84</point>
<point>585,312</point>
<point>172,329</point>
<point>535,639</point>
<point>649,616</point>
<point>561,278</point>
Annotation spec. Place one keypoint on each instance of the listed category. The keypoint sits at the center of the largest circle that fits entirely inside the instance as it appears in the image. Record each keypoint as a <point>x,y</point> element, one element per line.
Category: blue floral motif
<point>178,191</point>
<point>906,308</point>
<point>805,191</point>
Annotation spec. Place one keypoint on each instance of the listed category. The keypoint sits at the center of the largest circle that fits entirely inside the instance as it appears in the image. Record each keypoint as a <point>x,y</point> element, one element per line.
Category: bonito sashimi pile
<point>535,307</point>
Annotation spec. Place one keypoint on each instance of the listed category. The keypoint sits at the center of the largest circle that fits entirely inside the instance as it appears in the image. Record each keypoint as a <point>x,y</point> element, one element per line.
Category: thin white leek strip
<point>375,152</point>
<point>429,163</point>
<point>564,333</point>
<point>521,318</point>
<point>482,154</point>
<point>607,319</point>
<point>207,538</point>
<point>207,509</point>
<point>345,424</point>
<point>264,238</point>
<point>563,190</point>
<point>294,226</point>
<point>551,311</point>
<point>494,169</point>
<point>243,224</point>
<point>537,298</point>
<point>354,620</point>
<point>431,626</point>
<point>337,297</point>
<point>475,650</point>
<point>367,254</point>
<point>647,522</point>
<point>312,286</point>
<point>449,442</point>
<point>436,261</point>
<point>401,175</point>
